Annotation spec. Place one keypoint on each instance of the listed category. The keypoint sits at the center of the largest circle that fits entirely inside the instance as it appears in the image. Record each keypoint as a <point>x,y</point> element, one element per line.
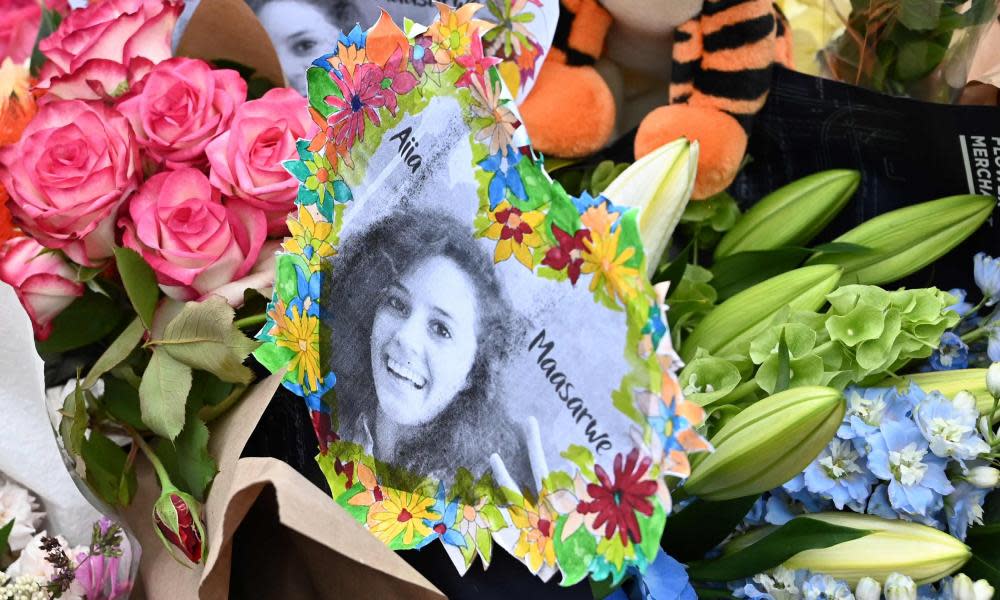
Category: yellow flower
<point>299,333</point>
<point>537,527</point>
<point>401,512</point>
<point>309,238</point>
<point>516,232</point>
<point>601,258</point>
<point>452,32</point>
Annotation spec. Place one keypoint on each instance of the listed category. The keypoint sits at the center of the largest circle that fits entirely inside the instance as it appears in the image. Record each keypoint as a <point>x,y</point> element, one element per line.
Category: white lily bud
<point>993,379</point>
<point>900,587</point>
<point>868,589</point>
<point>986,478</point>
<point>985,428</point>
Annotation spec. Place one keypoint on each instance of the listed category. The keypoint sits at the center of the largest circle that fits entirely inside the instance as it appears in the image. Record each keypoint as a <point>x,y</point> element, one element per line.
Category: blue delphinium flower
<point>664,579</point>
<point>879,505</point>
<point>825,587</point>
<point>949,425</point>
<point>778,584</point>
<point>964,507</point>
<point>839,473</point>
<point>867,408</point>
<point>986,271</point>
<point>961,307</point>
<point>993,347</point>
<point>951,353</point>
<point>900,455</point>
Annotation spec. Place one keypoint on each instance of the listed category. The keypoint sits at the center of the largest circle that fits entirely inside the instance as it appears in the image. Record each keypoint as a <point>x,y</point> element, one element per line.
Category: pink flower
<point>195,243</point>
<point>44,283</point>
<point>122,39</point>
<point>74,165</point>
<point>19,22</point>
<point>361,96</point>
<point>180,107</point>
<point>246,160</point>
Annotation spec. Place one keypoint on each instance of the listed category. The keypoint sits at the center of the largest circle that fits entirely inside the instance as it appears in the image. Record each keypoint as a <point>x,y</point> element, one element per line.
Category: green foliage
<point>163,394</point>
<point>117,352</point>
<point>5,536</point>
<point>702,525</point>
<point>110,472</point>
<point>88,319</point>
<point>773,549</point>
<point>49,23</point>
<point>140,283</point>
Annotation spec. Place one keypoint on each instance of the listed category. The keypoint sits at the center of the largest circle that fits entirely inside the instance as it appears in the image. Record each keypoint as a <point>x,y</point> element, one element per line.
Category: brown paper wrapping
<point>228,30</point>
<point>297,542</point>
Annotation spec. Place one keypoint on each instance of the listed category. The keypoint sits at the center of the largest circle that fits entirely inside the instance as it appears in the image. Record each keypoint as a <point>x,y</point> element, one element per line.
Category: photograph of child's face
<point>423,341</point>
<point>300,31</point>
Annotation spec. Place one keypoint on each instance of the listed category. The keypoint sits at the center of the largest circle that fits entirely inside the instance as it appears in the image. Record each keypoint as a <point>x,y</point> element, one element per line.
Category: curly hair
<point>475,424</point>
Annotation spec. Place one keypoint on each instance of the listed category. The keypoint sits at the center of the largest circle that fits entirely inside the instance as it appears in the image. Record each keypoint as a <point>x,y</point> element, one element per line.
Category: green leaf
<point>121,400</point>
<point>919,15</point>
<point>842,248</point>
<point>88,319</point>
<point>203,337</point>
<point>773,549</point>
<point>5,535</point>
<point>73,426</point>
<point>784,369</point>
<point>163,394</point>
<point>739,271</point>
<point>702,525</point>
<point>208,390</point>
<point>985,562</point>
<point>321,86</point>
<point>196,466</point>
<point>108,471</point>
<point>494,518</point>
<point>49,23</point>
<point>140,283</point>
<point>116,353</point>
<point>674,270</point>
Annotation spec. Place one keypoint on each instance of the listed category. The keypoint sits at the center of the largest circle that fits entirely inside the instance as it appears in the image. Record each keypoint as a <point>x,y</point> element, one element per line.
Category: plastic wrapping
<point>922,49</point>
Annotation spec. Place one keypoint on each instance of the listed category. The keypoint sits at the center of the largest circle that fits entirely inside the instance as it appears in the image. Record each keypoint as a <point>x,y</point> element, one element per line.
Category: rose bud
<point>44,283</point>
<point>178,523</point>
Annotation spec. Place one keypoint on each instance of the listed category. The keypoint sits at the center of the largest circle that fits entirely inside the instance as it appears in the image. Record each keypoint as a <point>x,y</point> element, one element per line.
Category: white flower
<point>963,588</point>
<point>993,379</point>
<point>868,589</point>
<point>900,587</point>
<point>18,504</point>
<point>986,478</point>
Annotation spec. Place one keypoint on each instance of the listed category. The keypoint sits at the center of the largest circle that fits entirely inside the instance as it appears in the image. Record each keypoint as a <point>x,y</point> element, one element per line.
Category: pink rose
<point>179,107</point>
<point>19,22</point>
<point>44,283</point>
<point>195,243</point>
<point>99,50</point>
<point>246,160</point>
<point>74,165</point>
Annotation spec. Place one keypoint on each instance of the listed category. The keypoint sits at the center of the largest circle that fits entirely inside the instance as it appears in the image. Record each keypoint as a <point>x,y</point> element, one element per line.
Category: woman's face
<point>300,33</point>
<point>424,341</point>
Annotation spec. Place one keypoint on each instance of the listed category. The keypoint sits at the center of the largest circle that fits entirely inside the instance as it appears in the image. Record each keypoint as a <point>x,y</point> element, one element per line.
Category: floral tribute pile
<point>591,521</point>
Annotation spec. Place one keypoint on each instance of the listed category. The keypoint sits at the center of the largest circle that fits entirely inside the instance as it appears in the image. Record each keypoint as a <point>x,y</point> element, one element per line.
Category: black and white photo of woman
<point>302,30</point>
<point>419,329</point>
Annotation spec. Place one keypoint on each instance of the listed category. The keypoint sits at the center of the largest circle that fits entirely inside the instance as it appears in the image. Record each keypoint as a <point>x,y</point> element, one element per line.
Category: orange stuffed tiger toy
<point>722,63</point>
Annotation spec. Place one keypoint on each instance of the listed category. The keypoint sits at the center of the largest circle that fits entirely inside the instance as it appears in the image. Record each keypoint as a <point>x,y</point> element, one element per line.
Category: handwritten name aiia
<point>407,148</point>
<point>564,389</point>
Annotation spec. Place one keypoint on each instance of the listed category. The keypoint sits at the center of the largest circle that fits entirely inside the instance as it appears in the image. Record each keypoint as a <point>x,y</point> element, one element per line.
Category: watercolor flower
<point>603,260</point>
<point>598,214</point>
<point>616,501</point>
<point>361,97</point>
<point>309,238</point>
<point>322,177</point>
<point>306,301</point>
<point>421,54</point>
<point>537,524</point>
<point>511,34</point>
<point>401,513</point>
<point>476,64</point>
<point>516,232</point>
<point>372,493</point>
<point>17,105</point>
<point>326,138</point>
<point>443,526</point>
<point>505,176</point>
<point>452,33</point>
<point>503,122</point>
<point>300,333</point>
<point>396,80</point>
<point>350,52</point>
<point>568,254</point>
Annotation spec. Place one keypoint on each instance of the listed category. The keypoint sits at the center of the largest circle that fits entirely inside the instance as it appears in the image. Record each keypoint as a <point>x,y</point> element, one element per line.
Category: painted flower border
<point>586,522</point>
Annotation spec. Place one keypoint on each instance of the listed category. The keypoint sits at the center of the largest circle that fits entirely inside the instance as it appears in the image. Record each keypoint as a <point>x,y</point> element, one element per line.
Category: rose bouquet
<point>144,200</point>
